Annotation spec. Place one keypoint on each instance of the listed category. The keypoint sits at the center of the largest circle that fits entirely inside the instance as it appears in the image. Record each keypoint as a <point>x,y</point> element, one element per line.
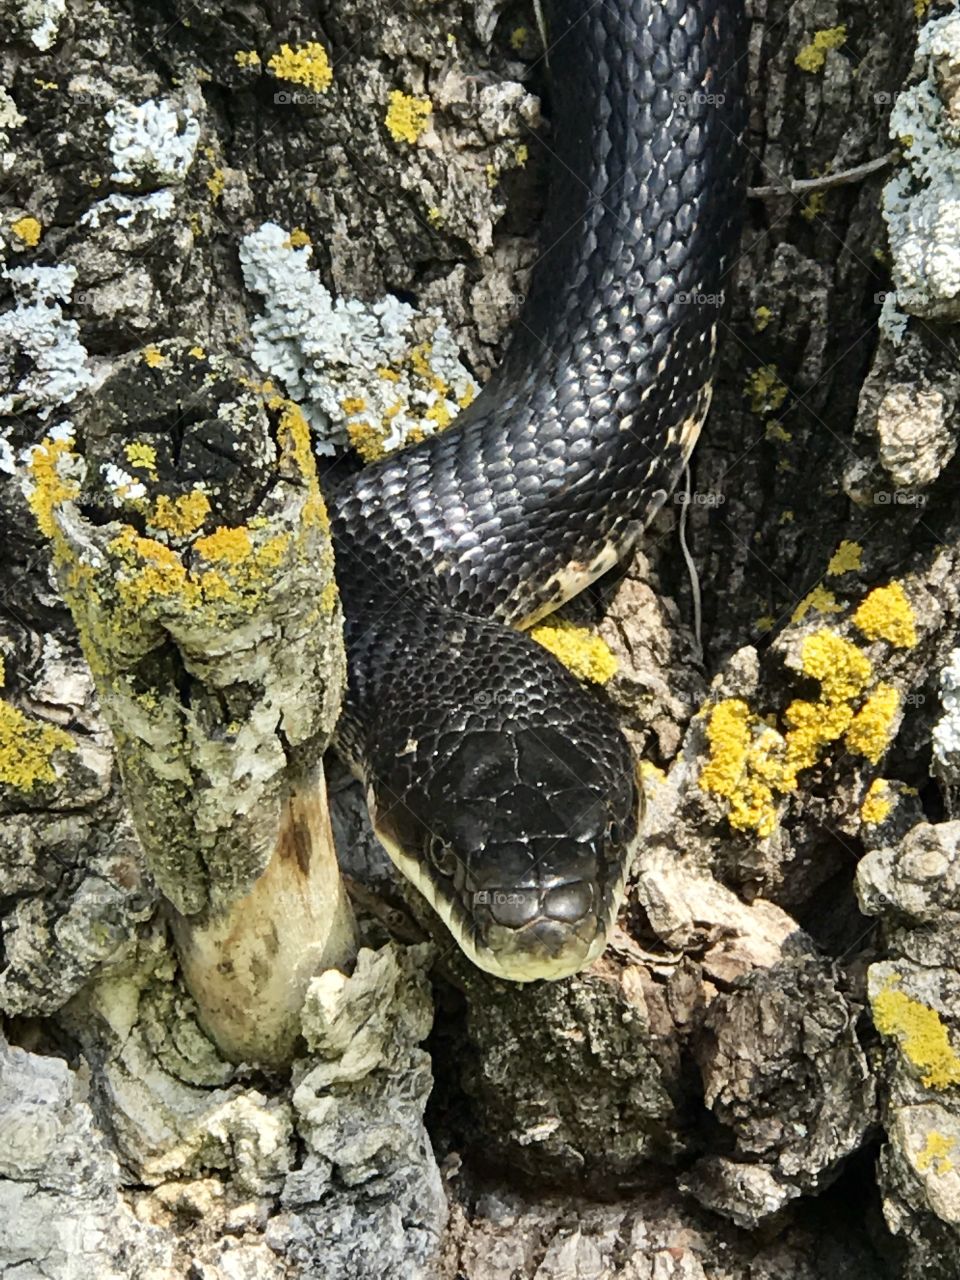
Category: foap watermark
<point>699,98</point>
<point>698,499</point>
<point>898,498</point>
<point>695,299</point>
<point>502,898</point>
<point>297,98</point>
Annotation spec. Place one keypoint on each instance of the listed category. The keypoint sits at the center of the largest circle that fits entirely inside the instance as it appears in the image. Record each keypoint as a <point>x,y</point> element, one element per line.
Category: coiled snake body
<point>499,785</point>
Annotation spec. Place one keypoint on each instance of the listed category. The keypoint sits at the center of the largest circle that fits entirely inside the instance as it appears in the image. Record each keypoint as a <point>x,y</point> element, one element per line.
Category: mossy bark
<point>712,1097</point>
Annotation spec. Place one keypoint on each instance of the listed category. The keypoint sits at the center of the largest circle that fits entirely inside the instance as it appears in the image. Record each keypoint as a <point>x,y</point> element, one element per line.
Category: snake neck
<point>548,478</point>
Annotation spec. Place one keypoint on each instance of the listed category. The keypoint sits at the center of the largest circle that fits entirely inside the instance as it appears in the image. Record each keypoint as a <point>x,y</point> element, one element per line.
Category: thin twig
<point>799,186</point>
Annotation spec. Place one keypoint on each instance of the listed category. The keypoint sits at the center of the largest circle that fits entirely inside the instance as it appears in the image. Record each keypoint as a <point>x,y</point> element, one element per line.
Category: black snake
<point>502,787</point>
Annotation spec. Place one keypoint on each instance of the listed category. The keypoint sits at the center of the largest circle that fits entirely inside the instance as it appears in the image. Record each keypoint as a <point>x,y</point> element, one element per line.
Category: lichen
<point>28,230</point>
<point>142,455</point>
<point>307,64</point>
<point>935,1154</point>
<point>886,614</point>
<point>48,486</point>
<point>153,138</point>
<point>247,58</point>
<point>921,202</point>
<point>743,766</point>
<point>154,357</point>
<point>921,1033</point>
<point>848,556</point>
<point>407,117</point>
<point>765,390</point>
<point>819,599</point>
<point>761,318</point>
<point>580,650</point>
<point>36,333</point>
<point>877,803</point>
<point>335,355</point>
<point>179,516</point>
<point>870,729</point>
<point>813,55</point>
<point>843,671</point>
<point>27,748</point>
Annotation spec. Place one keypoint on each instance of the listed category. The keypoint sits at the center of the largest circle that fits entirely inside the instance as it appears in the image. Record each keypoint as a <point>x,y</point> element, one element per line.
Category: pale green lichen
<point>813,55</point>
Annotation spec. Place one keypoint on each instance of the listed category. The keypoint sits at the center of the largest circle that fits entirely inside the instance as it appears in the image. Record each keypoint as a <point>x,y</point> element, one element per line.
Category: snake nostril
<point>514,908</point>
<point>569,902</point>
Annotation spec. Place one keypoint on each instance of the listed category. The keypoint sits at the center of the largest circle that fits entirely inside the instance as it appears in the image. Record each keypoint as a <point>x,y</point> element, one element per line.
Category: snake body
<point>499,785</point>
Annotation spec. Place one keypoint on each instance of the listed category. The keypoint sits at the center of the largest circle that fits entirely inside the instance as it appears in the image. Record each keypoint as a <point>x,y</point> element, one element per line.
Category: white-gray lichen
<point>156,204</point>
<point>946,732</point>
<point>10,118</point>
<point>921,202</point>
<point>152,139</point>
<point>37,330</point>
<point>41,18</point>
<point>381,366</point>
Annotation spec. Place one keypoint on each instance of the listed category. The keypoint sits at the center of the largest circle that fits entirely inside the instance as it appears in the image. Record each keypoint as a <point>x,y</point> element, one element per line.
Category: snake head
<point>519,833</point>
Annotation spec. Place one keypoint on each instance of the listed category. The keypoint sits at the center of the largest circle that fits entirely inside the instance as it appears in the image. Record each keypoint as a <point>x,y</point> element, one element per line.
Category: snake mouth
<point>543,947</point>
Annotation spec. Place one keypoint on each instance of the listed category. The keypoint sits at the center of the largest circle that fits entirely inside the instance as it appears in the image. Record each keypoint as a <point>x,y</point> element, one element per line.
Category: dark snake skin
<point>497,782</point>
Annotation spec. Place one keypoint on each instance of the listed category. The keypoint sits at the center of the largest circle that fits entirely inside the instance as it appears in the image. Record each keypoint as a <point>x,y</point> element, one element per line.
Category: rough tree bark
<point>224,225</point>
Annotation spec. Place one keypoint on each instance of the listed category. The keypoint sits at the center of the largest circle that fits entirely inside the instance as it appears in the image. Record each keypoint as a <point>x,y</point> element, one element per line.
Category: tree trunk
<point>233,231</point>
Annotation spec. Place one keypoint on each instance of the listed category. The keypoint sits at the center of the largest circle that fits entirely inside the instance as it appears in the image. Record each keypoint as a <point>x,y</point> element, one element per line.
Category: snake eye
<point>442,856</point>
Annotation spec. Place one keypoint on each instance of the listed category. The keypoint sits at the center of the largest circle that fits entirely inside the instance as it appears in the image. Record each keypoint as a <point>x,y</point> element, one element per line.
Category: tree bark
<point>222,224</point>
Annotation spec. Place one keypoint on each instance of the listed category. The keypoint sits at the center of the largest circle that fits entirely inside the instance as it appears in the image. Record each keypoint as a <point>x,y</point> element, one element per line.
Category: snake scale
<point>501,786</point>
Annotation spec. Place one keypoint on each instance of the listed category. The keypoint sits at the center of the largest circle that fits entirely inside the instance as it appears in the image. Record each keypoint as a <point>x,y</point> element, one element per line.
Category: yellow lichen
<point>743,766</point>
<point>761,318</point>
<point>215,184</point>
<point>48,487</point>
<point>27,747</point>
<point>247,58</point>
<point>921,1033</point>
<point>811,727</point>
<point>198,353</point>
<point>651,772</point>
<point>353,404</point>
<point>293,434</point>
<point>935,1153</point>
<point>180,516</point>
<point>819,599</point>
<point>407,117</point>
<point>328,597</point>
<point>814,205</point>
<point>230,545</point>
<point>149,570</point>
<point>366,440</point>
<point>877,803</point>
<point>843,671</point>
<point>521,154</point>
<point>765,623</point>
<point>154,357</point>
<point>434,215</point>
<point>869,731</point>
<point>580,651</point>
<point>307,64</point>
<point>848,555</point>
<point>813,55</point>
<point>298,238</point>
<point>886,614</point>
<point>28,230</point>
<point>765,390</point>
<point>778,434</point>
<point>518,37</point>
<point>143,455</point>
<point>439,413</point>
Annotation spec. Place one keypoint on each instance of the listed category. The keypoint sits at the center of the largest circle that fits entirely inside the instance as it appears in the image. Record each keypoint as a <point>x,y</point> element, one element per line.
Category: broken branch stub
<point>192,545</point>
